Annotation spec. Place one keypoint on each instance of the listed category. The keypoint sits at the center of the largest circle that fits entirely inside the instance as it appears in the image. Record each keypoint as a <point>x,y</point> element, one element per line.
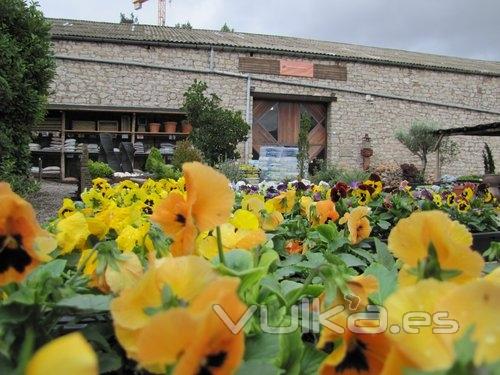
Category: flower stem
<point>219,247</point>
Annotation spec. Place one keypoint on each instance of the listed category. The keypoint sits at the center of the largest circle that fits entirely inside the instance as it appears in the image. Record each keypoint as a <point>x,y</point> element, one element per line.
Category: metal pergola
<point>482,130</point>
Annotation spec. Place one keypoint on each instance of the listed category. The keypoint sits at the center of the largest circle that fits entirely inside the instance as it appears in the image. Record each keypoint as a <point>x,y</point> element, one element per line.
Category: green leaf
<point>264,347</point>
<point>87,302</point>
<point>291,349</point>
<point>291,260</point>
<point>25,295</point>
<point>384,256</point>
<point>271,283</point>
<point>268,258</point>
<point>314,260</point>
<point>383,224</point>
<point>256,366</point>
<point>327,232</point>
<point>387,282</point>
<point>53,269</point>
<point>363,253</point>
<point>109,362</point>
<point>311,360</point>
<point>281,273</point>
<point>352,261</point>
<point>14,313</point>
<point>237,260</point>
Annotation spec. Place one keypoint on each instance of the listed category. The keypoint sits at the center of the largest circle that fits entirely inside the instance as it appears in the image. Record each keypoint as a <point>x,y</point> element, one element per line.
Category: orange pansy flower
<point>352,353</point>
<point>208,203</point>
<point>357,223</point>
<point>411,238</point>
<point>205,344</point>
<point>20,233</point>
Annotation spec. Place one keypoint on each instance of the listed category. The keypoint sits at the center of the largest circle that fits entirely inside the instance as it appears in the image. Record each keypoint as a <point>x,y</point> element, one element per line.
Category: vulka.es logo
<point>307,316</point>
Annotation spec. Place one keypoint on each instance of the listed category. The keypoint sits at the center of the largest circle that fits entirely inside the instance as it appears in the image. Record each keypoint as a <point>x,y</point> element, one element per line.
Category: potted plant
<point>154,127</point>
<point>187,127</point>
<point>490,178</point>
<point>170,127</point>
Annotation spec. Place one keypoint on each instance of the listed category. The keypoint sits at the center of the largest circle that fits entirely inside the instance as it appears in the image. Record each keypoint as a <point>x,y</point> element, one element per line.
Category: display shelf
<point>161,134</point>
<point>71,131</point>
<point>45,151</point>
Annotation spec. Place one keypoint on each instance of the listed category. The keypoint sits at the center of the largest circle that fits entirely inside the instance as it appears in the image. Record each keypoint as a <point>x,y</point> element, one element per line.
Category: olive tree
<point>421,141</point>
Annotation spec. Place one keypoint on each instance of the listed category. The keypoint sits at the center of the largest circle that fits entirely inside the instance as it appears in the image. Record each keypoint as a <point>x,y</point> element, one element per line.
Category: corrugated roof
<point>150,34</point>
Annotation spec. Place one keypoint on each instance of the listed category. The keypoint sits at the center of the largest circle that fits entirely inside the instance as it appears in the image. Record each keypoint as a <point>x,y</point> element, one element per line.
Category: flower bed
<point>191,276</point>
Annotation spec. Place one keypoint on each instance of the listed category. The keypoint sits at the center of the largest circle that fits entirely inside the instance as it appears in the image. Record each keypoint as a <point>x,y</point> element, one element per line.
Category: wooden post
<point>133,128</point>
<point>63,138</point>
<point>134,119</point>
<point>40,168</point>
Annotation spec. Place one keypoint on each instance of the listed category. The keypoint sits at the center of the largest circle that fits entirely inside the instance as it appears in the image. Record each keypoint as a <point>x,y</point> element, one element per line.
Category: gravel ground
<point>47,201</point>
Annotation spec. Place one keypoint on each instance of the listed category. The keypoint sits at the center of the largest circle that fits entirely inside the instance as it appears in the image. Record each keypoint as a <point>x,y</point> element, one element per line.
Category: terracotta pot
<point>170,127</point>
<point>366,152</point>
<point>493,181</point>
<point>154,127</point>
<point>187,127</point>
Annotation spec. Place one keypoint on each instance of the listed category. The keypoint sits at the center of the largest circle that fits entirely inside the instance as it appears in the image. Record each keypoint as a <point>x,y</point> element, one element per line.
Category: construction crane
<point>162,9</point>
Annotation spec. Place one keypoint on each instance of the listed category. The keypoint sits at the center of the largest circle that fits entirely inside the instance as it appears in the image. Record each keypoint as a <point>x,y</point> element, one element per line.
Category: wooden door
<point>278,123</point>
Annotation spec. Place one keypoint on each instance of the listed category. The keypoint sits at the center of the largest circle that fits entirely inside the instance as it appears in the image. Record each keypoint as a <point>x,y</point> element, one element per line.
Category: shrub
<point>489,163</point>
<point>326,172</point>
<point>353,175</point>
<point>157,167</point>
<point>411,173</point>
<point>99,169</point>
<point>216,130</point>
<point>184,153</point>
<point>26,69</point>
<point>390,174</point>
<point>154,159</point>
<point>303,144</point>
<point>231,170</point>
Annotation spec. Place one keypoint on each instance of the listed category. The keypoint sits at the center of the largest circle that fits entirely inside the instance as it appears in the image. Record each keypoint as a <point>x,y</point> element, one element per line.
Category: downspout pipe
<point>248,116</point>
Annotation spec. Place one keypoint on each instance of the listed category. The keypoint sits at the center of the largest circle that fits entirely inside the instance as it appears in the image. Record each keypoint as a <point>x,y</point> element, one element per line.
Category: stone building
<point>142,71</point>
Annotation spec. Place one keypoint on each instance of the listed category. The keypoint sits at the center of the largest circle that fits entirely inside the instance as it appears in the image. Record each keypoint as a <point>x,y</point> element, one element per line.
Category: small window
<point>269,121</point>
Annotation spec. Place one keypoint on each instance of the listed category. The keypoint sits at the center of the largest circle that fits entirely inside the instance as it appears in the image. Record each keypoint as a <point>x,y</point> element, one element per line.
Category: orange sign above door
<point>296,68</point>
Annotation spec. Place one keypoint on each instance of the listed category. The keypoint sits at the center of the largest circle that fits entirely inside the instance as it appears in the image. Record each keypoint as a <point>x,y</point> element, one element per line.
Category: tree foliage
<point>186,25</point>
<point>216,130</point>
<point>303,143</point>
<point>225,28</point>
<point>26,70</point>
<point>421,141</point>
<point>132,19</point>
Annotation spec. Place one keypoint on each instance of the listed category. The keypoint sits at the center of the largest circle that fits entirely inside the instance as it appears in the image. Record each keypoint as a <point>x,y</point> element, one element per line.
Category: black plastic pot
<point>481,241</point>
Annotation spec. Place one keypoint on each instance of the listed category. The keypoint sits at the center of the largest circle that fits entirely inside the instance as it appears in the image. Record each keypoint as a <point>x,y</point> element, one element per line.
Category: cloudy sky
<point>465,28</point>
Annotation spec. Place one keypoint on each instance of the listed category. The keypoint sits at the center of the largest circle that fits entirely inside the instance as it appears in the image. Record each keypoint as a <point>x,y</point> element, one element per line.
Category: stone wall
<point>349,118</point>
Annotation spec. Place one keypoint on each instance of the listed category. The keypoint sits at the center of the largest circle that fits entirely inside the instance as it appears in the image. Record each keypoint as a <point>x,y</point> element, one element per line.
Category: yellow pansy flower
<point>67,208</point>
<point>94,199</point>
<point>128,238</point>
<point>283,203</point>
<point>437,199</point>
<point>243,219</point>
<point>232,238</point>
<point>476,304</point>
<point>69,354</point>
<point>72,232</point>
<point>424,350</point>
